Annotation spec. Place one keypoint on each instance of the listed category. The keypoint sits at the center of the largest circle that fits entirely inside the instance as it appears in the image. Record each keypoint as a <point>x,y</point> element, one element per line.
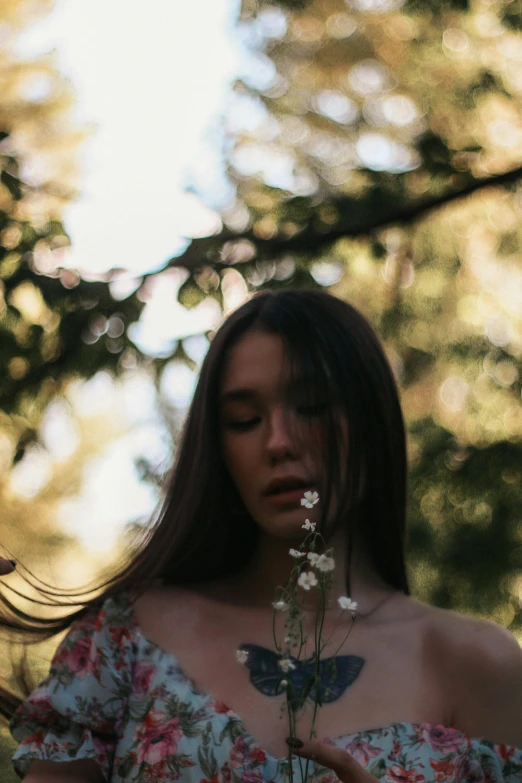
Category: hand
<point>347,769</point>
<point>6,566</point>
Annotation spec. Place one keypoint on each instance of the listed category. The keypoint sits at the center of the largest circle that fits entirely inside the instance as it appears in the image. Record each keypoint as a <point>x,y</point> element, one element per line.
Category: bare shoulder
<point>160,599</point>
<point>483,674</point>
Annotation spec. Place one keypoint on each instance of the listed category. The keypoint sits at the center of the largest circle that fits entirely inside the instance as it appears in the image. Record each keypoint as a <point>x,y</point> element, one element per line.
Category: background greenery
<point>375,150</point>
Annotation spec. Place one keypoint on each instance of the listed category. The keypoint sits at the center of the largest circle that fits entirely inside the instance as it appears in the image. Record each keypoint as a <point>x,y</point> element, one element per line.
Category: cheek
<point>237,460</point>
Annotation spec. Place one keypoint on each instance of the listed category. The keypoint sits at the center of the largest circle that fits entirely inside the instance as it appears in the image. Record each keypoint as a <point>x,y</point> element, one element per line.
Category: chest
<point>393,674</point>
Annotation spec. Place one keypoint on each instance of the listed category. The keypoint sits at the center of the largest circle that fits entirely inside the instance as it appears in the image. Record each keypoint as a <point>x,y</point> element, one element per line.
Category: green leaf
<point>292,3</point>
<point>190,294</point>
<point>424,6</point>
<point>307,687</point>
<point>125,767</point>
<point>512,16</point>
<point>12,184</point>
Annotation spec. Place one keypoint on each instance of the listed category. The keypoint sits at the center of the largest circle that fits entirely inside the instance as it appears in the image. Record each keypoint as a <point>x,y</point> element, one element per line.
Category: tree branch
<point>308,241</point>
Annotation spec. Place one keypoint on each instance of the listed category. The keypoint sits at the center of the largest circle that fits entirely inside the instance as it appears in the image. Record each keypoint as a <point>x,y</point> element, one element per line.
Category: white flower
<point>297,553</point>
<point>284,683</point>
<point>347,603</point>
<point>307,580</point>
<point>325,563</point>
<point>309,525</point>
<point>242,656</point>
<point>310,499</point>
<point>313,557</point>
<point>286,665</point>
<point>281,606</point>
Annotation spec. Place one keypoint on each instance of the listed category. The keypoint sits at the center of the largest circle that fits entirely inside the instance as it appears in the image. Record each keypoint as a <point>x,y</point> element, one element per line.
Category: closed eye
<point>241,426</point>
<point>304,410</point>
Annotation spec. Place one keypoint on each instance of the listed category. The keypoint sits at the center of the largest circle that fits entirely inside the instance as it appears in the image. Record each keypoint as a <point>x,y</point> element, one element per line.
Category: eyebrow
<point>246,395</point>
<point>237,395</point>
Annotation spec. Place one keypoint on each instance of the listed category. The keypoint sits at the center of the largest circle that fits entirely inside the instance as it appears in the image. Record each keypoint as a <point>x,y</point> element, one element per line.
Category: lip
<point>289,496</point>
<point>278,481</point>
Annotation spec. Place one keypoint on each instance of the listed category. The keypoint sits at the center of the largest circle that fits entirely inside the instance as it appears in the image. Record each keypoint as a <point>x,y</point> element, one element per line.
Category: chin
<point>285,531</point>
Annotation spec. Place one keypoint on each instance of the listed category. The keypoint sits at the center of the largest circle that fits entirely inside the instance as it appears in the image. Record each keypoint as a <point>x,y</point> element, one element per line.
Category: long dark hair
<point>202,530</point>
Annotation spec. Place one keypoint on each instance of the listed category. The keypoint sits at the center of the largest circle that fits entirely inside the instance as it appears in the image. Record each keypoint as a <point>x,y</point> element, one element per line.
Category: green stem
<point>292,734</point>
<point>345,638</point>
<point>274,630</point>
<point>321,613</point>
<point>301,640</point>
<point>328,640</point>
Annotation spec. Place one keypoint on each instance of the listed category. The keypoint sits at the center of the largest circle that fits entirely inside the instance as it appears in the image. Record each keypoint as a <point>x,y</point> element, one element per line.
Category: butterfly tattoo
<point>266,675</point>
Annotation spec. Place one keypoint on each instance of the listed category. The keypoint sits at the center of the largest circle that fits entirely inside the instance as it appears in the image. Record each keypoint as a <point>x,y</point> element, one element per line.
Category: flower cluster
<point>313,570</point>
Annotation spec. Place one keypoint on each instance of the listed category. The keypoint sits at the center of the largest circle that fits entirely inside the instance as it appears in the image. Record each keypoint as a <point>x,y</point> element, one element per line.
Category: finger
<point>347,769</point>
<point>6,566</point>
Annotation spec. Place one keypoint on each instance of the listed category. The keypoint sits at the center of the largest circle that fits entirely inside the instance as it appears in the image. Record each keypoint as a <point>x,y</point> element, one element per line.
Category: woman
<point>295,395</point>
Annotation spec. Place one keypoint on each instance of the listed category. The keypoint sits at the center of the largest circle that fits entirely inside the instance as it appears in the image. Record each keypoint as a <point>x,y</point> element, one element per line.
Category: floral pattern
<point>114,696</point>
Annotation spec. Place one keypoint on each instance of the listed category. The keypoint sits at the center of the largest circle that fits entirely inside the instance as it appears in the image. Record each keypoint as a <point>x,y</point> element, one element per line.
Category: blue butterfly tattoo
<point>266,675</point>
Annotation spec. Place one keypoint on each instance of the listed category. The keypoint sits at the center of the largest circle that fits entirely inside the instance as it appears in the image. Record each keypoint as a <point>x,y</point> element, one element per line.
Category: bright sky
<point>154,78</point>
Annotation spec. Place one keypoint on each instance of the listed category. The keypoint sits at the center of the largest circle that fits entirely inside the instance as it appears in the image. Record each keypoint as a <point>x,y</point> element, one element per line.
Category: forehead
<point>256,359</point>
<point>255,368</point>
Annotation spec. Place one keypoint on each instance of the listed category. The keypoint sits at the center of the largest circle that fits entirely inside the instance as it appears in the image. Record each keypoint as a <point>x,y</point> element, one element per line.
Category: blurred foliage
<point>50,319</point>
<point>44,308</point>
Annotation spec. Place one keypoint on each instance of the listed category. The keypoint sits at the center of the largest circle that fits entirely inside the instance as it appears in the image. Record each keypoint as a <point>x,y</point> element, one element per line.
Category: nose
<point>279,441</point>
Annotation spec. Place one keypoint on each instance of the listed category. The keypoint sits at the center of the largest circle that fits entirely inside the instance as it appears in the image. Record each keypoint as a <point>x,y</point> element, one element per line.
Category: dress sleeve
<point>78,710</point>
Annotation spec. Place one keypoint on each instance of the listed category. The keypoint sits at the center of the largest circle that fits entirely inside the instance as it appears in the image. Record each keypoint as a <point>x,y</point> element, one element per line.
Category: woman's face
<point>256,439</point>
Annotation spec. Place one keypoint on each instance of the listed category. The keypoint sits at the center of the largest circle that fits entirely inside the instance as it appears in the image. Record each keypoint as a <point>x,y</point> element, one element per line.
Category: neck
<point>255,586</point>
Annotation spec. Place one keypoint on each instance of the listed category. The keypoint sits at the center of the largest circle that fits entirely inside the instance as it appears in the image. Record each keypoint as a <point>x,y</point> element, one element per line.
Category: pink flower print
<point>104,748</point>
<point>442,738</point>
<point>361,751</point>
<point>252,776</point>
<point>37,738</point>
<point>220,707</point>
<point>158,739</point>
<point>467,769</point>
<point>226,773</point>
<point>330,778</point>
<point>505,751</point>
<point>239,753</point>
<point>142,676</point>
<point>444,770</point>
<point>155,773</point>
<point>41,703</point>
<point>118,634</point>
<point>99,621</point>
<point>258,755</point>
<point>398,774</point>
<point>78,660</point>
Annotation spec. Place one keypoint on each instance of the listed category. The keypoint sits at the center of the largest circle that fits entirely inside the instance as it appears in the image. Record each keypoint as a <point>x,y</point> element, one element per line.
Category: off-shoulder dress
<point>114,696</point>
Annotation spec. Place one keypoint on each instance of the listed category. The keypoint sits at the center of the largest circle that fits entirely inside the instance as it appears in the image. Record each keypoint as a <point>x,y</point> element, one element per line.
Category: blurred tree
<point>51,320</point>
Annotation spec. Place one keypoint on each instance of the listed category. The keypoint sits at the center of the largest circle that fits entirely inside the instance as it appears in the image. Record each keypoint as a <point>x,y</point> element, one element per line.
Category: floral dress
<point>114,696</point>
